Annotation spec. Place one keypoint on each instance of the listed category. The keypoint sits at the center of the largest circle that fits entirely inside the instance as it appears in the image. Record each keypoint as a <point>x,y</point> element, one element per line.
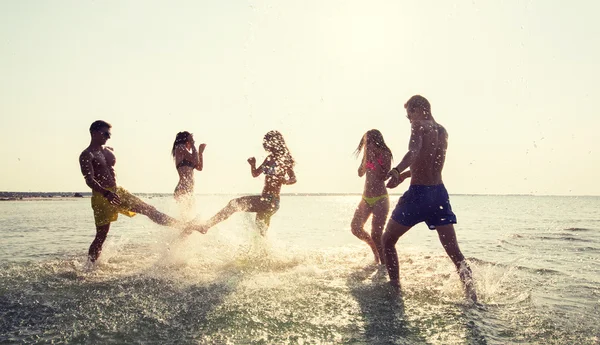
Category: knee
<point>388,240</point>
<point>233,204</point>
<point>145,209</point>
<point>377,231</point>
<point>356,228</point>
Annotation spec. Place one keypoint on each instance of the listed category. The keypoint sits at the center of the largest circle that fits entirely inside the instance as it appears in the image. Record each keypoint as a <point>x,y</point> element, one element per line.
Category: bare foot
<point>185,233</point>
<point>201,228</point>
<point>395,285</point>
<point>467,279</point>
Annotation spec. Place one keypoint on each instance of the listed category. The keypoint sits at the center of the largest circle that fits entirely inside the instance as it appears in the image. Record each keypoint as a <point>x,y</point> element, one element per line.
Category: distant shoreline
<point>15,196</point>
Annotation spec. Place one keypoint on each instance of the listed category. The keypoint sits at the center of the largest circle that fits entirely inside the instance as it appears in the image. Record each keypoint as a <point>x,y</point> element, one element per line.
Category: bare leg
<point>186,203</point>
<point>392,233</point>
<point>252,203</point>
<point>380,212</point>
<point>263,221</point>
<point>157,217</point>
<point>362,213</point>
<point>448,239</point>
<point>96,246</point>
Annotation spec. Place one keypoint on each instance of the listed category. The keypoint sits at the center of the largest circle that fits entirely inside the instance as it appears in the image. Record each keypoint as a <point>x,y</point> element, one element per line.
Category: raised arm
<point>200,163</point>
<point>253,169</point>
<point>291,176</point>
<point>182,153</point>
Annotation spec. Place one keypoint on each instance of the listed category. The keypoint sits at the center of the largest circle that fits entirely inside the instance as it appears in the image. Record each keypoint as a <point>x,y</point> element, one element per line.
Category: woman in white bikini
<point>278,168</point>
<point>375,164</point>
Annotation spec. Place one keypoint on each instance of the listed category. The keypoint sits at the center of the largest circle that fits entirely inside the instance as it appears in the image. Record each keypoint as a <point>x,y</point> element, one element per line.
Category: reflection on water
<point>309,281</point>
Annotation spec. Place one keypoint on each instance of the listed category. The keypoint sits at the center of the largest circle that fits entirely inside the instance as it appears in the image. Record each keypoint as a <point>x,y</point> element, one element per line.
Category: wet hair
<point>98,125</point>
<point>418,102</point>
<point>274,143</point>
<point>180,138</point>
<point>376,138</point>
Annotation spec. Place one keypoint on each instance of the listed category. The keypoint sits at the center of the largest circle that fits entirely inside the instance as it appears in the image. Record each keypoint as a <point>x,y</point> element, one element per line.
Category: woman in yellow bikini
<point>376,162</point>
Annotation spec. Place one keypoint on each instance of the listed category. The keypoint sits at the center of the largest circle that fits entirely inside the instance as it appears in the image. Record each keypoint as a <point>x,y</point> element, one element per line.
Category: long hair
<point>375,137</point>
<point>274,143</point>
<point>180,138</point>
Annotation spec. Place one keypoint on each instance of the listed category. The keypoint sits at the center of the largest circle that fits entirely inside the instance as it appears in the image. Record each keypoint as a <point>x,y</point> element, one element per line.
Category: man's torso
<point>103,162</point>
<point>428,165</point>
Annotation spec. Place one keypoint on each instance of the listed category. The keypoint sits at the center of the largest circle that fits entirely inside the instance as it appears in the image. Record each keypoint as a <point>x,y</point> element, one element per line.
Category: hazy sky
<point>513,82</point>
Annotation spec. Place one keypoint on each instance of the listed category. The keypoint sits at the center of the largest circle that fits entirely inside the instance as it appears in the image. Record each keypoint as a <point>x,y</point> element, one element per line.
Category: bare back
<point>429,162</point>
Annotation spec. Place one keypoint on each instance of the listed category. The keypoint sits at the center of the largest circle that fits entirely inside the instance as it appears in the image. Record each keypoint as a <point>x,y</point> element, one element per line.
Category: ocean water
<point>535,260</point>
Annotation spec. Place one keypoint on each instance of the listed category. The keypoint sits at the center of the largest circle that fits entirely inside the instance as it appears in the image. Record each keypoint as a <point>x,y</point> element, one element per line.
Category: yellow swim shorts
<point>105,212</point>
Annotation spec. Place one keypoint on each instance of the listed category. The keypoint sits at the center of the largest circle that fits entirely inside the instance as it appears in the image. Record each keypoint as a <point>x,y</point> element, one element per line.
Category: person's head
<point>418,108</point>
<point>372,140</point>
<point>183,138</point>
<point>100,131</point>
<point>274,143</point>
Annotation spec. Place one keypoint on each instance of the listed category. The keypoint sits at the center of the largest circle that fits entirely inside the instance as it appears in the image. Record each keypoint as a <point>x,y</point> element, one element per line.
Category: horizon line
<point>65,194</point>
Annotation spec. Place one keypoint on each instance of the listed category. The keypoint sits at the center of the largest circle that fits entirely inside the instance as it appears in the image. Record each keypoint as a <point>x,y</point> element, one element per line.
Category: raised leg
<point>253,203</point>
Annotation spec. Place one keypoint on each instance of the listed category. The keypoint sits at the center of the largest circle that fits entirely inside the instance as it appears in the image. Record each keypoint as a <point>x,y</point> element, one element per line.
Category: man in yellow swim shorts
<point>97,164</point>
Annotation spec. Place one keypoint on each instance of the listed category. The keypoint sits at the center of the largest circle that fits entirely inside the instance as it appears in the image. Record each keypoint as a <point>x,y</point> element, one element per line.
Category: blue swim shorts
<point>429,204</point>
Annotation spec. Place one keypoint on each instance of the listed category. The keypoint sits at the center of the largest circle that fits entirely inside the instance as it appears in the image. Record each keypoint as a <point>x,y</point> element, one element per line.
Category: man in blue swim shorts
<point>426,199</point>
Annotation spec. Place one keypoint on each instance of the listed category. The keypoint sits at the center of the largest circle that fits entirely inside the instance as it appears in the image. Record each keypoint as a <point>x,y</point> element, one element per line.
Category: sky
<point>513,82</point>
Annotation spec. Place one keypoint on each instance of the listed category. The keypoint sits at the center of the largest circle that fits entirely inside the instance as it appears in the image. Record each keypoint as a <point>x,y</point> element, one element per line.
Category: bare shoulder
<point>387,155</point>
<point>420,127</point>
<point>442,130</point>
<point>86,154</point>
<point>109,148</point>
<point>180,148</point>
